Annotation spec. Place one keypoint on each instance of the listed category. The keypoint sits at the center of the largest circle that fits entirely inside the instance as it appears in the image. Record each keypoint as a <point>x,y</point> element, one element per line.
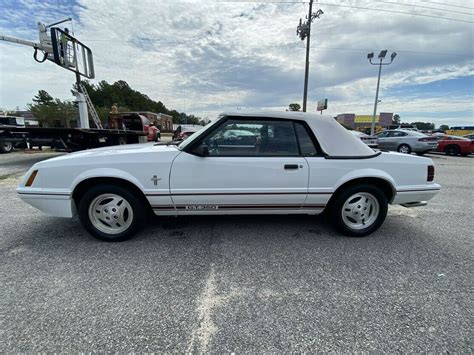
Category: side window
<point>304,139</point>
<point>253,138</point>
<point>397,134</point>
<point>383,134</point>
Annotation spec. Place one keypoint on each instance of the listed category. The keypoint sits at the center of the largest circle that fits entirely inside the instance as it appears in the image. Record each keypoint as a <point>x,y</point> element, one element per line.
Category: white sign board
<point>322,105</point>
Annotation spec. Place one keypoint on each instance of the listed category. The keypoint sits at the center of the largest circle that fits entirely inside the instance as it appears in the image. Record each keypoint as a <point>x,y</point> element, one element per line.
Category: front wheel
<point>359,210</point>
<point>110,213</point>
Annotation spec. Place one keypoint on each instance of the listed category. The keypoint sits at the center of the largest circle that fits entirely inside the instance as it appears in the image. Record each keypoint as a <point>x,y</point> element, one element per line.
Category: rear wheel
<point>451,150</point>
<point>404,148</point>
<point>111,213</point>
<point>6,147</point>
<point>359,210</point>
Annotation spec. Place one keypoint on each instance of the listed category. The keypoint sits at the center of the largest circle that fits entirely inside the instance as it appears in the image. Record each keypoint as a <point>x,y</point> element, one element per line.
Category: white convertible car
<point>270,163</point>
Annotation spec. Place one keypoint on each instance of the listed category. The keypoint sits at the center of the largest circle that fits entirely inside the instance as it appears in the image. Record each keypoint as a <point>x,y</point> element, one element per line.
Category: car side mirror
<point>201,150</point>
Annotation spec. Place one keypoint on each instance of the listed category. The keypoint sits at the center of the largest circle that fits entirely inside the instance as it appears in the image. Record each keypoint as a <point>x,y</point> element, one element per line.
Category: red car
<point>454,145</point>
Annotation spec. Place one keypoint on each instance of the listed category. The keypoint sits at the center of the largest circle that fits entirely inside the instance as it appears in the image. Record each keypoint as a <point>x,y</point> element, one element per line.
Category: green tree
<point>104,95</point>
<point>43,98</point>
<point>396,119</point>
<point>294,106</point>
<point>58,113</point>
<point>444,127</point>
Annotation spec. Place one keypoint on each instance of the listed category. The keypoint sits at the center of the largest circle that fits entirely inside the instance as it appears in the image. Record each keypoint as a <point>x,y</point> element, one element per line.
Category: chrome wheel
<point>360,210</point>
<point>404,149</point>
<point>7,147</point>
<point>110,213</point>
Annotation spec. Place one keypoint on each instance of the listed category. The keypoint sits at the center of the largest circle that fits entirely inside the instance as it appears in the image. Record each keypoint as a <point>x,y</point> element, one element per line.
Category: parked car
<point>469,136</point>
<point>404,141</point>
<point>454,145</point>
<point>136,122</point>
<point>301,163</point>
<point>184,131</point>
<point>371,141</point>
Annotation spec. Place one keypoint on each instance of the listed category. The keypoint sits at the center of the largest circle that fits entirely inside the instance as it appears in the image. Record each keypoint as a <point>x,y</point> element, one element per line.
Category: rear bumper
<point>52,204</point>
<point>415,204</point>
<point>415,196</point>
<point>422,147</point>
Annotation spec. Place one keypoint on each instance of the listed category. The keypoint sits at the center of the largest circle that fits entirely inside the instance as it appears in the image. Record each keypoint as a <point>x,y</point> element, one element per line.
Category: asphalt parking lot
<point>240,284</point>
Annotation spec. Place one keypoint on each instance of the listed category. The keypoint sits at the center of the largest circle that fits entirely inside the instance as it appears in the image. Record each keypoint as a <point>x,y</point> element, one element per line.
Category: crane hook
<point>35,56</point>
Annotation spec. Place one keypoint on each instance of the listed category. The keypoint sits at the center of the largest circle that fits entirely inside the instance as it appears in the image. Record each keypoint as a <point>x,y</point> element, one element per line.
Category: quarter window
<point>253,138</point>
<point>304,139</point>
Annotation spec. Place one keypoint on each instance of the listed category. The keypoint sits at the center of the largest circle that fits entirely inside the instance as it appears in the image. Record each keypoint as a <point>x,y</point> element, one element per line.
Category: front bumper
<point>58,205</point>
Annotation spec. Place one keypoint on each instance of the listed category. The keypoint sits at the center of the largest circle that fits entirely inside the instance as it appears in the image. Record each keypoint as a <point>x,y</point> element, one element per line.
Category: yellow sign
<point>365,119</point>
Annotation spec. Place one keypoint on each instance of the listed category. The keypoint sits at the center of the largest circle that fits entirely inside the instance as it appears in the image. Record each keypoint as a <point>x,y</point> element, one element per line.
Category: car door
<point>249,165</point>
<point>383,140</point>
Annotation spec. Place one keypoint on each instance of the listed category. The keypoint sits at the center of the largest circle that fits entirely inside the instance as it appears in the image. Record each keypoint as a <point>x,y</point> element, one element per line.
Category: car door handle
<point>291,166</point>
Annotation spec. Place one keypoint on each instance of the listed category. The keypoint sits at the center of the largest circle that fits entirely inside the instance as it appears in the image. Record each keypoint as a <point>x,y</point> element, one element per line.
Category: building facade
<point>363,122</point>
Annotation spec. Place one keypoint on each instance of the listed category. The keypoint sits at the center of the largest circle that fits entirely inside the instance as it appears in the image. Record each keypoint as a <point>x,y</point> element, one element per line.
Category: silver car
<point>371,141</point>
<point>404,141</point>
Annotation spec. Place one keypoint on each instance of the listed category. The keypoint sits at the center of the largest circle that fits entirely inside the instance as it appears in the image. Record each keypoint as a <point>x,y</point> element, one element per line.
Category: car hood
<point>112,153</point>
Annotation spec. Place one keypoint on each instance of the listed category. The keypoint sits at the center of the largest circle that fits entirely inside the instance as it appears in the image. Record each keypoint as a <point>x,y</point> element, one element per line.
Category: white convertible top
<point>334,139</point>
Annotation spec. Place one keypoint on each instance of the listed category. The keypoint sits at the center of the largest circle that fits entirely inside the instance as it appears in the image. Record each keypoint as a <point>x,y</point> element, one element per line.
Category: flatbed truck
<point>67,139</point>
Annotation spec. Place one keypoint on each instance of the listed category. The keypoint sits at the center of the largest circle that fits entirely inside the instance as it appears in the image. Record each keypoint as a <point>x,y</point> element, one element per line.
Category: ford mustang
<point>241,163</point>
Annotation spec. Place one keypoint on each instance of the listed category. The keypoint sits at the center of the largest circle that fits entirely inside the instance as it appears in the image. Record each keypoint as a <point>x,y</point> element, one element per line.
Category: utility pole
<point>381,56</point>
<point>303,30</point>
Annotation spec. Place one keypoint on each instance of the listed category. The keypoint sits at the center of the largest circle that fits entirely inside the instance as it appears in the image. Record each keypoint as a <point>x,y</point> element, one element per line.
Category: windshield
<point>198,134</point>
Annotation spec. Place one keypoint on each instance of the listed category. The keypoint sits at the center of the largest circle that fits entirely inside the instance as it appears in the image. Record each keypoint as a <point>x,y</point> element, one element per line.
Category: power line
<point>395,12</point>
<point>423,7</point>
<point>351,6</point>
<point>442,3</point>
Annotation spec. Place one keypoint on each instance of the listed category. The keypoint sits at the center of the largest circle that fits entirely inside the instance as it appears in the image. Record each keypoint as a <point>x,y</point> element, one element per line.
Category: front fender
<point>105,173</point>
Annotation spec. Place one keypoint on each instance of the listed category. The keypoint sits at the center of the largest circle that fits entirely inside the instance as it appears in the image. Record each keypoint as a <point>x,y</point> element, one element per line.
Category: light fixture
<point>383,54</point>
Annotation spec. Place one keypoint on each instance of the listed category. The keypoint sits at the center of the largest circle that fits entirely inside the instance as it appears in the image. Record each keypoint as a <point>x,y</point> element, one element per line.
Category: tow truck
<point>61,47</point>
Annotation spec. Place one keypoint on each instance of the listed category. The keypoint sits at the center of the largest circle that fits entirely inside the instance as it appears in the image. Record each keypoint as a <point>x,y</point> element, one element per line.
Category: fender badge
<point>155,179</point>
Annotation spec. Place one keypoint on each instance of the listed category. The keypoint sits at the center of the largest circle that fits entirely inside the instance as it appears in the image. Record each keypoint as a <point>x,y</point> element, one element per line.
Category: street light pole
<point>372,127</point>
<point>303,30</point>
<point>381,56</point>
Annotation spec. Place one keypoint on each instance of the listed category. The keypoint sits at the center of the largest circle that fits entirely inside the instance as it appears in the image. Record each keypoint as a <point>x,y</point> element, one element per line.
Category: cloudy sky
<point>208,56</point>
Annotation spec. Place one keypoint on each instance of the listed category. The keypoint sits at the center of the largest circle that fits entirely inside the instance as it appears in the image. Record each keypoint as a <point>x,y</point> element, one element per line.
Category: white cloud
<point>211,56</point>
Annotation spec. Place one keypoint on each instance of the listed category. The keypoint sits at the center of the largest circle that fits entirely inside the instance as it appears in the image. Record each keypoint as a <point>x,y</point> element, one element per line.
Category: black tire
<point>452,149</point>
<point>121,140</point>
<point>337,207</point>
<point>137,219</point>
<point>405,147</point>
<point>6,147</point>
